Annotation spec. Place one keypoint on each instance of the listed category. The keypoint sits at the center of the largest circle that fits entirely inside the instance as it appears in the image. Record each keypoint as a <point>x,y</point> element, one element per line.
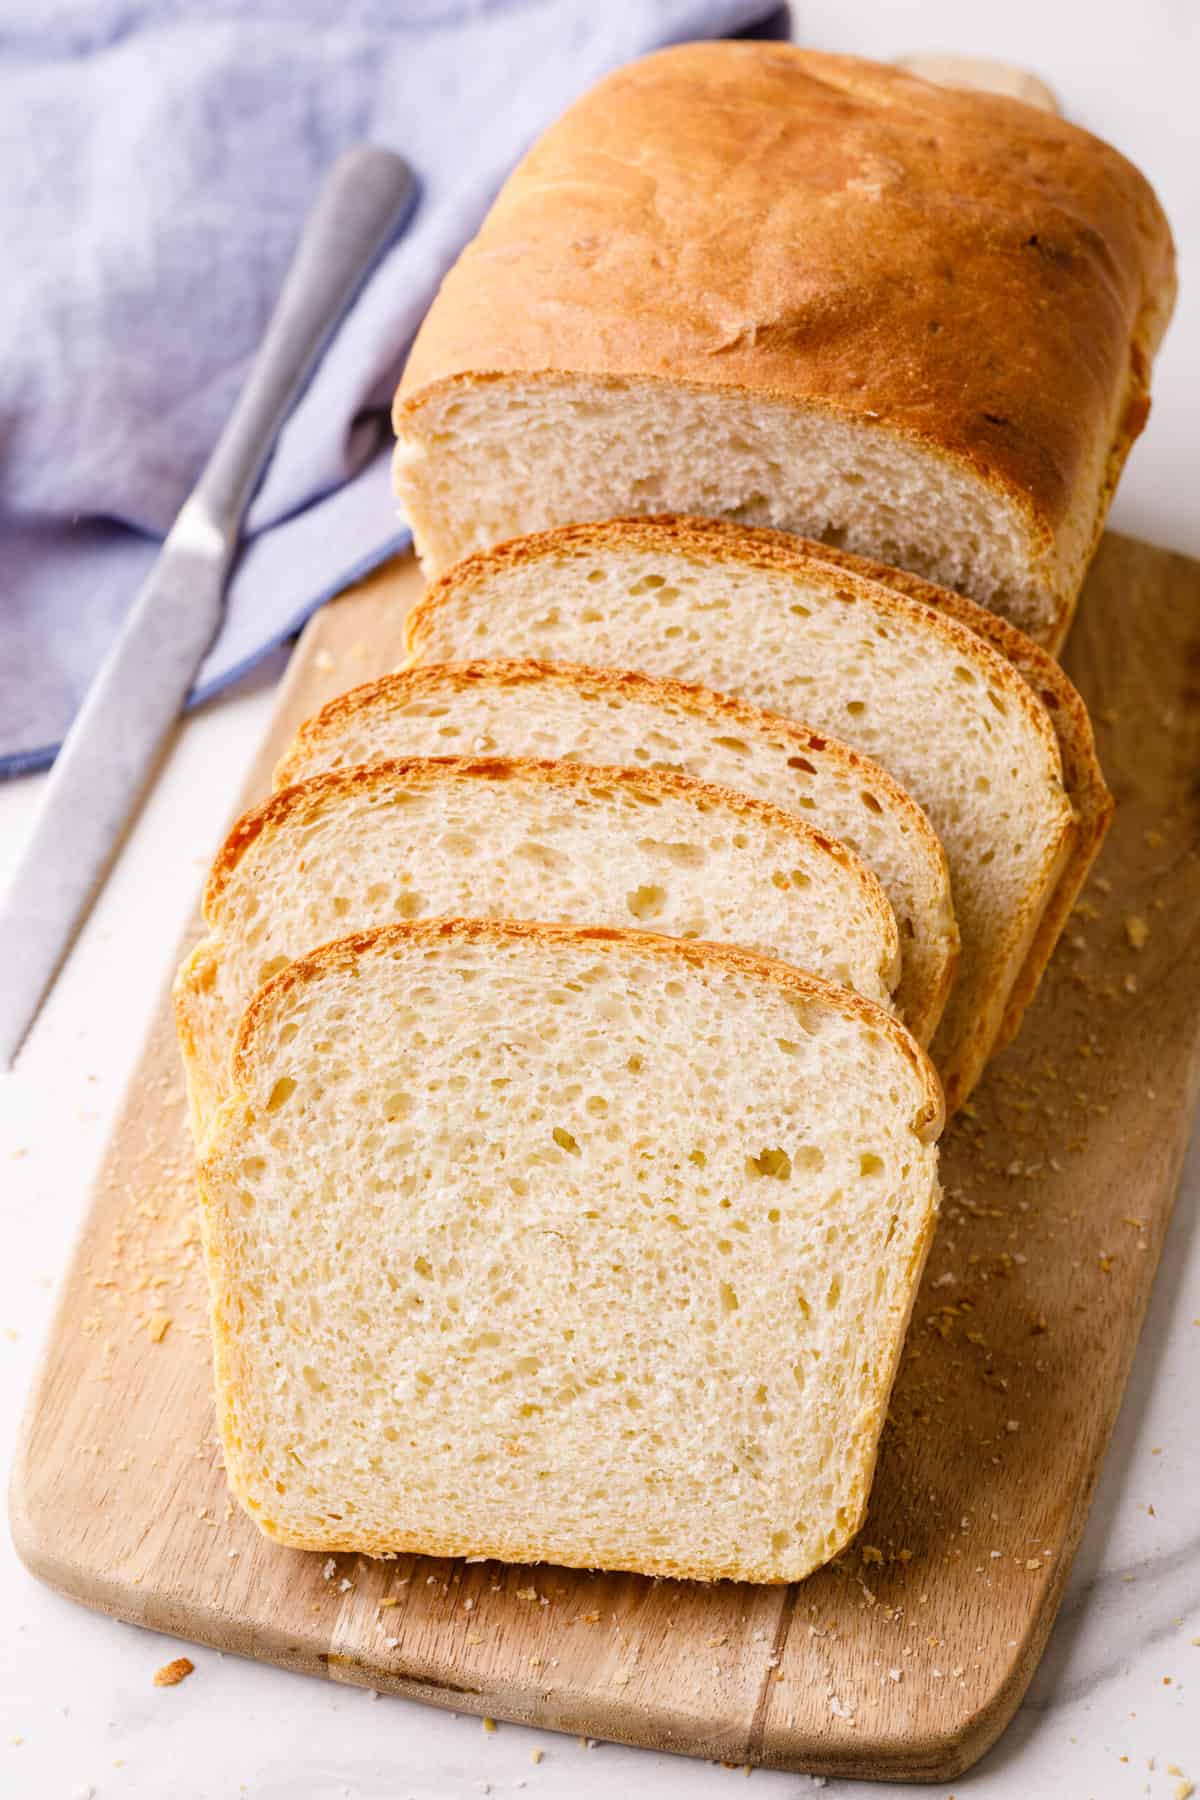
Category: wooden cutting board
<point>906,1658</point>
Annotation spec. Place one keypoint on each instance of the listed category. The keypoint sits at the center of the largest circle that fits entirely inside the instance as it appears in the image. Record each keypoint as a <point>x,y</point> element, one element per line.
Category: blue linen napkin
<point>159,159</point>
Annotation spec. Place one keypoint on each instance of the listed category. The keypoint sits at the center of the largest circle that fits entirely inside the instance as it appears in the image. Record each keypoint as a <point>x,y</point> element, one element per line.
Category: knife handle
<point>360,207</point>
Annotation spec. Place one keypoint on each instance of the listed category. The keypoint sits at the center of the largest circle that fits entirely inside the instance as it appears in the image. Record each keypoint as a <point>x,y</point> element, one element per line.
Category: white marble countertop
<point>1115,1707</point>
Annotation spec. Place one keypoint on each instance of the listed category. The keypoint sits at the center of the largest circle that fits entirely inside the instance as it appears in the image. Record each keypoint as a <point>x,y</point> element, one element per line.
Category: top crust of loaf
<point>958,268</point>
<point>411,937</point>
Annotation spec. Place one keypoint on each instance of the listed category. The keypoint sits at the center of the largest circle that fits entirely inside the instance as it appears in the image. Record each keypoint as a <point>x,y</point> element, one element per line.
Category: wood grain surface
<point>907,1657</point>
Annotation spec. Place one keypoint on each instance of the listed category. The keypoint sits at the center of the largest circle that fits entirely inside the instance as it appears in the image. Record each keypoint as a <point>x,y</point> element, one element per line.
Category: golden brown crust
<point>978,278</point>
<point>525,1551</point>
<point>417,772</point>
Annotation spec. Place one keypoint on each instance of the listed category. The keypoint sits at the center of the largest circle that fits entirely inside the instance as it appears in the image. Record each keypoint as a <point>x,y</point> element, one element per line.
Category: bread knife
<point>128,714</point>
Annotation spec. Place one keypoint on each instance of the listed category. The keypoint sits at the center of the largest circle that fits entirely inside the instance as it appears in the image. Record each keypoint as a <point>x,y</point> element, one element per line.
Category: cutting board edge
<point>940,1756</point>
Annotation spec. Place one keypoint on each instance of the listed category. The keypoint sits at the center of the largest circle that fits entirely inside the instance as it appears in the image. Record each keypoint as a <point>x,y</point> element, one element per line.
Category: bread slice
<point>534,1242</point>
<point>554,710</point>
<point>801,291</point>
<point>1083,778</point>
<point>509,838</point>
<point>753,613</point>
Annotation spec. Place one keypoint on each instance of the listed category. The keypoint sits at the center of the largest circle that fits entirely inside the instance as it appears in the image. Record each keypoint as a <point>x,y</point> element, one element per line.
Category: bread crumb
<point>536,1754</point>
<point>489,1724</point>
<point>1184,1789</point>
<point>1137,932</point>
<point>527,1593</point>
<point>172,1673</point>
<point>160,1324</point>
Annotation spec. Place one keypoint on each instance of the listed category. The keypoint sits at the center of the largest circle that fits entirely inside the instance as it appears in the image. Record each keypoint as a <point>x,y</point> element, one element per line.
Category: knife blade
<point>122,728</point>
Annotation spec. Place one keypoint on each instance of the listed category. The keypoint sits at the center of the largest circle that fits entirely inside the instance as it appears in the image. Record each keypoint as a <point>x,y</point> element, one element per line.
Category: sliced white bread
<point>554,710</point>
<point>1083,778</point>
<point>533,1242</point>
<point>508,838</point>
<point>754,613</point>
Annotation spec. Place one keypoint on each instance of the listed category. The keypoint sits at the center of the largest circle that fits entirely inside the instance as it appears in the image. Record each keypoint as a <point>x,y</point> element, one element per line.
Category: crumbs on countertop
<point>172,1673</point>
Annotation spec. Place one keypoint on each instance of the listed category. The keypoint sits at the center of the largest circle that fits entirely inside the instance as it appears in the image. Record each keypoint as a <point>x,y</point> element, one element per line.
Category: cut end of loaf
<point>948,379</point>
<point>564,1245</point>
<point>483,459</point>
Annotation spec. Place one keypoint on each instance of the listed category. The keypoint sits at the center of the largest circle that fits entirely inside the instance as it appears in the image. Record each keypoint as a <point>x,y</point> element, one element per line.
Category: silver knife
<point>119,734</point>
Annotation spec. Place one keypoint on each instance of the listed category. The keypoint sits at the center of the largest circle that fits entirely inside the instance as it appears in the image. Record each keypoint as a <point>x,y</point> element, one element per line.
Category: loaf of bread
<point>533,1242</point>
<point>755,613</point>
<point>505,838</point>
<point>553,710</point>
<point>805,291</point>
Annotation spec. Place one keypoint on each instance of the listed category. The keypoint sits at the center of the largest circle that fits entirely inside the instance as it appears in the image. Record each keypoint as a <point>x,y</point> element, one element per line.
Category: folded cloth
<point>159,161</point>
